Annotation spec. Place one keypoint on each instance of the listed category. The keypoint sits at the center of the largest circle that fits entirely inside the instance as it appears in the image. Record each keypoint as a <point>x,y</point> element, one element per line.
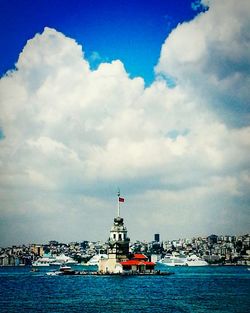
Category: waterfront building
<point>138,263</point>
<point>4,260</point>
<point>37,249</point>
<point>9,260</point>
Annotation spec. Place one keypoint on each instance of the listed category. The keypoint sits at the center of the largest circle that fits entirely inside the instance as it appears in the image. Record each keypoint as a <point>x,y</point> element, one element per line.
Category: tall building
<point>157,237</point>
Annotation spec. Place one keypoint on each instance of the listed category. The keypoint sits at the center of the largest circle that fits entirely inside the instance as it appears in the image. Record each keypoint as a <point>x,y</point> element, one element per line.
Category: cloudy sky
<point>151,97</point>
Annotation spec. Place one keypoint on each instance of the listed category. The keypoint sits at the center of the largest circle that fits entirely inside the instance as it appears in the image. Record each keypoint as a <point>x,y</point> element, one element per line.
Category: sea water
<point>189,289</point>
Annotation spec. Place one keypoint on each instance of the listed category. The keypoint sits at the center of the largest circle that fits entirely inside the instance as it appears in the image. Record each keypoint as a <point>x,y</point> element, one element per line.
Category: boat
<point>194,260</point>
<point>64,267</point>
<point>173,260</point>
<point>45,260</point>
<point>62,259</point>
<point>55,263</point>
<point>64,270</point>
<point>41,262</point>
<point>94,261</point>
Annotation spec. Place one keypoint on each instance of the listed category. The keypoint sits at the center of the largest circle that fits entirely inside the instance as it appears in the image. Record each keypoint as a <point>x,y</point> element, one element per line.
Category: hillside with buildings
<point>224,250</point>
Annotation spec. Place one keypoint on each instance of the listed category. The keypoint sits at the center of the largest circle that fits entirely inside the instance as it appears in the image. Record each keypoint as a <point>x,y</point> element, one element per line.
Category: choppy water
<point>204,289</point>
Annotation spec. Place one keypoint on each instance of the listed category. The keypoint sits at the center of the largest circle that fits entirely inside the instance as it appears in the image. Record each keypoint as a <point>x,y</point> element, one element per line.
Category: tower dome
<point>118,231</point>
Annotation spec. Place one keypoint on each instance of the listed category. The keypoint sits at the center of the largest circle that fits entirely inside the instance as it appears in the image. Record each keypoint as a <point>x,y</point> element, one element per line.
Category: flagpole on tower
<point>118,199</point>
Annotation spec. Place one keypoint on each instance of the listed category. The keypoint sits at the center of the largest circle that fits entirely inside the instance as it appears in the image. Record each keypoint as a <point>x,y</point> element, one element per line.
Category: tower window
<point>120,236</point>
<point>114,236</point>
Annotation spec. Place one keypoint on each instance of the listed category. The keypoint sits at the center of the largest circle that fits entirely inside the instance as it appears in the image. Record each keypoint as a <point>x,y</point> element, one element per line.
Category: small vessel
<point>64,267</point>
<point>174,260</point>
<point>194,260</point>
<point>94,261</point>
<point>64,270</point>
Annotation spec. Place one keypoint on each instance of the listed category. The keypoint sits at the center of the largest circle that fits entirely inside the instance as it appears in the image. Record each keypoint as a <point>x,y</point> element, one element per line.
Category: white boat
<point>64,267</point>
<point>174,260</point>
<point>194,260</point>
<point>42,262</point>
<point>96,258</point>
<point>55,263</point>
<point>64,270</point>
<point>63,259</point>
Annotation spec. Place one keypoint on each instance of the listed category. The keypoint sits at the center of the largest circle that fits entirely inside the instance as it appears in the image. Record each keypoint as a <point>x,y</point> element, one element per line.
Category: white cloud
<point>73,134</point>
<point>209,57</point>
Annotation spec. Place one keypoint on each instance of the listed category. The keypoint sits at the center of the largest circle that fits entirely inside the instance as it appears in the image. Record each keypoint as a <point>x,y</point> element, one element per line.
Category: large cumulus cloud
<point>209,56</point>
<point>71,135</point>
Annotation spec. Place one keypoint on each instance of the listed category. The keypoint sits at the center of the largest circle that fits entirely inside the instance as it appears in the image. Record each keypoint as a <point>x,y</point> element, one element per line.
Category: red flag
<point>121,199</point>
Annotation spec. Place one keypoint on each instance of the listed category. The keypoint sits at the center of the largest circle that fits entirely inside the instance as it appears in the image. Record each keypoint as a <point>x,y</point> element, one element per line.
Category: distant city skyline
<point>104,241</point>
<point>151,97</point>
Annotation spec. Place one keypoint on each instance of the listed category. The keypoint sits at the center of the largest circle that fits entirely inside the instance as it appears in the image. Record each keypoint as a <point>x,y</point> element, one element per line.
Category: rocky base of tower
<point>109,266</point>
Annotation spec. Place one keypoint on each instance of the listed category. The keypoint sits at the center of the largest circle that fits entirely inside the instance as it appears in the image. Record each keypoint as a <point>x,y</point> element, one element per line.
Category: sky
<point>148,96</point>
<point>131,31</point>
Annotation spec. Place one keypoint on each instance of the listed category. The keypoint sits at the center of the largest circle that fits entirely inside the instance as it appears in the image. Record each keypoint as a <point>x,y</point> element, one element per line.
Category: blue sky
<point>132,31</point>
<point>152,97</point>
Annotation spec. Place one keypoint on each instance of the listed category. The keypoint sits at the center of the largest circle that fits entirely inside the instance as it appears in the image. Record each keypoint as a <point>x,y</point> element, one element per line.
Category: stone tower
<point>118,245</point>
<point>118,241</point>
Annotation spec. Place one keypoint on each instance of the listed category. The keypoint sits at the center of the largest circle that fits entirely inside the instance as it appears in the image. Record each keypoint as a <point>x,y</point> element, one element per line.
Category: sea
<point>190,289</point>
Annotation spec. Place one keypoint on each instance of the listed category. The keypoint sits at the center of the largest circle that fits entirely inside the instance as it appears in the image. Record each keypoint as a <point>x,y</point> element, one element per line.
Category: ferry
<point>194,260</point>
<point>63,259</point>
<point>54,261</point>
<point>182,260</point>
<point>174,260</point>
<point>42,262</point>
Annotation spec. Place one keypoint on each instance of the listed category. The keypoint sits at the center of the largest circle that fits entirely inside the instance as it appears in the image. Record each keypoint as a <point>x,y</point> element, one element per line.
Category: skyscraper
<point>157,237</point>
